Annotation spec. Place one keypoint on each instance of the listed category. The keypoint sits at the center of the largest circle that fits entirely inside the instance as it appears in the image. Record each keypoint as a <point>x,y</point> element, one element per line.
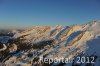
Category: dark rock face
<point>1,45</point>
<point>18,45</point>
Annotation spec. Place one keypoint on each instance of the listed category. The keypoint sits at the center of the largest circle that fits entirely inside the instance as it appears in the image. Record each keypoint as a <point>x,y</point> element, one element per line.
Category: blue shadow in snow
<point>94,46</point>
<point>72,36</point>
<point>61,32</point>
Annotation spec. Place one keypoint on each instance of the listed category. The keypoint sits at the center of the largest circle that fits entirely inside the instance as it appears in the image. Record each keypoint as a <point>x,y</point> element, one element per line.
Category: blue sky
<point>28,13</point>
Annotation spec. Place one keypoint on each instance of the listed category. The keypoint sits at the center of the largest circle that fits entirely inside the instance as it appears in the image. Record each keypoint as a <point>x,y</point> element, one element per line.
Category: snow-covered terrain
<point>80,44</point>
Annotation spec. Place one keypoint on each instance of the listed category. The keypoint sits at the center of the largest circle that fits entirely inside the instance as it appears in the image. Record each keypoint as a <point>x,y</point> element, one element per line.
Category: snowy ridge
<point>59,41</point>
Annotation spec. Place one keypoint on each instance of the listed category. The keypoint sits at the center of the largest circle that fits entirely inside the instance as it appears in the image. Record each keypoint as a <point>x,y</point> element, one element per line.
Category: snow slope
<point>70,42</point>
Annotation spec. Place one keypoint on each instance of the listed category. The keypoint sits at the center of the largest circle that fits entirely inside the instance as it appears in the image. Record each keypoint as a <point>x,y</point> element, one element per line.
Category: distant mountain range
<point>78,42</point>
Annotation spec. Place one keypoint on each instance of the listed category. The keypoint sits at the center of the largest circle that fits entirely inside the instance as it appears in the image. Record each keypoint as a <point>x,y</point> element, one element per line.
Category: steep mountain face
<point>78,43</point>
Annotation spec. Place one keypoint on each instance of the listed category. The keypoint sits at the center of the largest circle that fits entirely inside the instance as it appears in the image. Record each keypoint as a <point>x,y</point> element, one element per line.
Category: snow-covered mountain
<point>77,43</point>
